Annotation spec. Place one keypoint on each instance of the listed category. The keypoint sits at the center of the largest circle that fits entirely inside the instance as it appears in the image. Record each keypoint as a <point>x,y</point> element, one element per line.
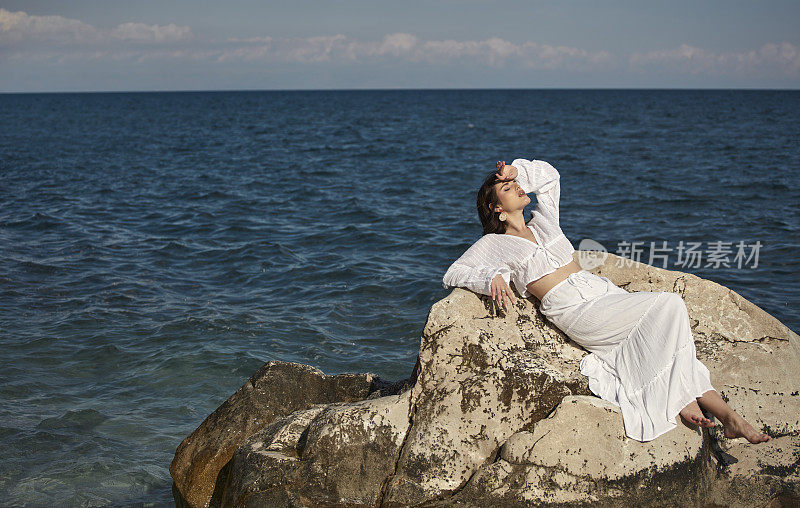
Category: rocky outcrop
<point>496,413</point>
<point>580,454</point>
<point>343,455</point>
<point>277,389</point>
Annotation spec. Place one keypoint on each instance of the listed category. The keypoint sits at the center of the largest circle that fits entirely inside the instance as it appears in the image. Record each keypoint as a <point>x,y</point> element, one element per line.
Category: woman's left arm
<point>477,267</point>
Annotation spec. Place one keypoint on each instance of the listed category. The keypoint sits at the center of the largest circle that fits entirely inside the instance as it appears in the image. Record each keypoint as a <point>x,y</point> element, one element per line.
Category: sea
<point>157,248</point>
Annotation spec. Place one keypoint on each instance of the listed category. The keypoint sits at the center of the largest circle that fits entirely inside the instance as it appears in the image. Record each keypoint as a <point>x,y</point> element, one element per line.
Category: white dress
<point>642,354</point>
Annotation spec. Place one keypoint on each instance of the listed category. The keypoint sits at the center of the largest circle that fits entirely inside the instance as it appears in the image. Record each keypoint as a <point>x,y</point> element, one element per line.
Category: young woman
<point>642,354</point>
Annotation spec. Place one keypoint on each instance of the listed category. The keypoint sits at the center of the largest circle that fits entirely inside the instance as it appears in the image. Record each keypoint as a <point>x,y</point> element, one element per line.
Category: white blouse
<point>518,259</point>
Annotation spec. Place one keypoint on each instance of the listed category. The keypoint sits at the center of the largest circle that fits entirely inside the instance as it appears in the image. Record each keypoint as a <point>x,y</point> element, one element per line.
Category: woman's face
<point>511,197</point>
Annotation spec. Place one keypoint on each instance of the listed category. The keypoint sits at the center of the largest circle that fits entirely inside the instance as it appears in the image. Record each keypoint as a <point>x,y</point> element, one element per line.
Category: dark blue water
<point>157,248</point>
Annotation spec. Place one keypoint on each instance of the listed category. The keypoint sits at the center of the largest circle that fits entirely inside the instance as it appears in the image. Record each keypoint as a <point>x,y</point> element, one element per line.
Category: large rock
<point>766,475</point>
<point>496,412</point>
<point>276,389</point>
<point>343,455</point>
<point>580,454</point>
<point>481,379</point>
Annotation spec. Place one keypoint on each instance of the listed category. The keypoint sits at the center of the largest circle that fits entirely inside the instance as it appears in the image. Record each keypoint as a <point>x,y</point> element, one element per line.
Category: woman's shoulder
<point>484,240</point>
<point>492,238</point>
<point>497,243</point>
<point>488,241</point>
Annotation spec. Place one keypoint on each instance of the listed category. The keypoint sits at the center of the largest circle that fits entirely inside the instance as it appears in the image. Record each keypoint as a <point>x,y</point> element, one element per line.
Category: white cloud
<point>140,32</point>
<point>397,44</point>
<point>20,27</point>
<point>298,50</point>
<point>783,58</point>
<point>407,47</point>
<point>58,39</point>
<point>23,30</point>
<point>310,49</point>
<point>252,39</point>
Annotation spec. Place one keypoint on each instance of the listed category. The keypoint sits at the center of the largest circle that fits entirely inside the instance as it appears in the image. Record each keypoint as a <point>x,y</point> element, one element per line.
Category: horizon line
<point>391,90</point>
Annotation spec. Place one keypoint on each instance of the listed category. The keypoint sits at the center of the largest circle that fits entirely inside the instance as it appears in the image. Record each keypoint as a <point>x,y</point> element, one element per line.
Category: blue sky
<point>302,44</point>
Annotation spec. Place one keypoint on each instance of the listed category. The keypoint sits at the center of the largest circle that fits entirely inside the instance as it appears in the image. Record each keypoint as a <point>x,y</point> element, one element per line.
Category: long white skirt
<point>642,355</point>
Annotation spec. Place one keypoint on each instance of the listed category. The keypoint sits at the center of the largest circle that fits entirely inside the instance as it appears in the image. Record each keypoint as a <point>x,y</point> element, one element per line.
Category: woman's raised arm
<point>542,179</point>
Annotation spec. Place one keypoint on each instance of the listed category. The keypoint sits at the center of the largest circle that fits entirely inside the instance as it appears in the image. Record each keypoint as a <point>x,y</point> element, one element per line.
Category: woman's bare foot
<point>692,414</point>
<point>736,426</point>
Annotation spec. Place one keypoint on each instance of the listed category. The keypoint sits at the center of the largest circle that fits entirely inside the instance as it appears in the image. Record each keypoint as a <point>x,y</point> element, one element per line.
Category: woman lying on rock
<point>642,354</point>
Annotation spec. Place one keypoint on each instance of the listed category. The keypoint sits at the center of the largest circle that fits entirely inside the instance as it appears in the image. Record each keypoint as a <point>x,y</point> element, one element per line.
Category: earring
<point>502,216</point>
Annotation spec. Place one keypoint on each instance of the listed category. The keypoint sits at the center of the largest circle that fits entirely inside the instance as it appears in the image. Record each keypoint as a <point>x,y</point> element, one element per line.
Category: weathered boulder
<point>481,379</point>
<point>345,454</point>
<point>580,454</point>
<point>276,389</point>
<point>497,413</point>
<point>763,475</point>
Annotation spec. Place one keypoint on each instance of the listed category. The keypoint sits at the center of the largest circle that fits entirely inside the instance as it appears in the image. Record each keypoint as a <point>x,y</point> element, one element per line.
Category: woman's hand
<point>505,172</point>
<point>501,293</point>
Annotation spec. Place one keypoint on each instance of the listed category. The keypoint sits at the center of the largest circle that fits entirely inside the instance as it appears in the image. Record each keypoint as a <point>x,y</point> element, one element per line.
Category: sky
<point>112,45</point>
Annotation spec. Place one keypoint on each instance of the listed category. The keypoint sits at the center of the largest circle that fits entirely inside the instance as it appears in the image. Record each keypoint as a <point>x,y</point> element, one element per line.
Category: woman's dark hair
<point>487,199</point>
